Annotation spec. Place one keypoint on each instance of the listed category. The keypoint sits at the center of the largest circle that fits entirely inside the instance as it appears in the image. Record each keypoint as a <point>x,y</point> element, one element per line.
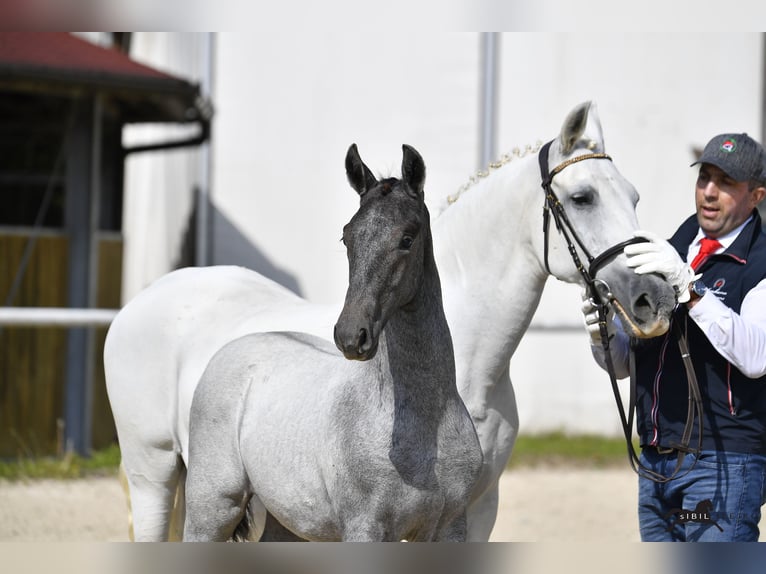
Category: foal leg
<point>455,531</point>
<point>366,529</point>
<point>217,490</point>
<point>213,509</point>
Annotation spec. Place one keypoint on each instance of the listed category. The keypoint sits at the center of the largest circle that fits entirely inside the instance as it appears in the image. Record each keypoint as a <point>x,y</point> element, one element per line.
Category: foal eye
<point>406,242</point>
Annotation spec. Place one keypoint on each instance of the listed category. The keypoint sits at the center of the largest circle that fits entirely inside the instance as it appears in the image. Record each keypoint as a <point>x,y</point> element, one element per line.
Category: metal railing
<point>55,317</point>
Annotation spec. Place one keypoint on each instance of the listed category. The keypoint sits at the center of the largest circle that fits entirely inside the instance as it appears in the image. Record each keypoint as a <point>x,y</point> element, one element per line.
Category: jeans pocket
<point>733,462</point>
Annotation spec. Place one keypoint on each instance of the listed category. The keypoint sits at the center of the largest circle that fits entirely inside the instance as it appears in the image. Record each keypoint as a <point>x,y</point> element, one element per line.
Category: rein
<point>601,297</point>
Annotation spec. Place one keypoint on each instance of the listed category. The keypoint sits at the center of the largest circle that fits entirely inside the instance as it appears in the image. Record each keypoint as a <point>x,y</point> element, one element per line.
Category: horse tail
<point>178,512</point>
<point>244,530</point>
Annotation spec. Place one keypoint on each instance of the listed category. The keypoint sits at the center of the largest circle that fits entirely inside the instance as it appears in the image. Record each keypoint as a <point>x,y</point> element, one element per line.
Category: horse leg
<point>217,490</point>
<point>213,509</point>
<point>454,531</point>
<point>152,483</point>
<point>366,528</point>
<point>126,489</point>
<point>481,515</point>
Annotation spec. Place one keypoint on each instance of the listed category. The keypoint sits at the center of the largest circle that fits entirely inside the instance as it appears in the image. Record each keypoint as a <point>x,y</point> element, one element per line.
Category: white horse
<point>335,449</point>
<point>493,259</point>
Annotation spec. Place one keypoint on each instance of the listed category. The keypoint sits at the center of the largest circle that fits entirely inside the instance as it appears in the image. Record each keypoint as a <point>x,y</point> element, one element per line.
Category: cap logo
<point>729,145</point>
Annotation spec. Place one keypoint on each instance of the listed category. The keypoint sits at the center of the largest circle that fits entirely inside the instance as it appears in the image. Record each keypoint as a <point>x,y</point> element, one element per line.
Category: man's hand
<point>590,314</point>
<point>658,256</point>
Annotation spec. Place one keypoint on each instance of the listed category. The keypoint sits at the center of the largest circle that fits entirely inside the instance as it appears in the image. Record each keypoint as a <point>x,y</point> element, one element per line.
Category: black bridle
<point>554,207</point>
<point>601,298</point>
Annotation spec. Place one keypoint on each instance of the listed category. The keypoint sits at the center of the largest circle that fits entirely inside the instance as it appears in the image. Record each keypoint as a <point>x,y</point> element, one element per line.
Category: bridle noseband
<point>601,297</point>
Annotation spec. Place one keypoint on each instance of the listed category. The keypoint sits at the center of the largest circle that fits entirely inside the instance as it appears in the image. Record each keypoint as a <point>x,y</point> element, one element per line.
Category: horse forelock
<point>387,185</point>
<point>384,187</point>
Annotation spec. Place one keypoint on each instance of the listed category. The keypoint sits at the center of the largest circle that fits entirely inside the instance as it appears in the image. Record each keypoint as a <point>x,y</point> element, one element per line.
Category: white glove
<point>659,256</point>
<point>590,313</point>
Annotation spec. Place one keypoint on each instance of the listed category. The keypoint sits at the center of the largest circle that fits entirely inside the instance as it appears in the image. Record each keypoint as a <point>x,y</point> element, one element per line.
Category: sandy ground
<point>536,505</point>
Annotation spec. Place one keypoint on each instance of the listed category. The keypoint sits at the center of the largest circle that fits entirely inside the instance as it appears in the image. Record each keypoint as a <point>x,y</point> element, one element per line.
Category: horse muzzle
<point>356,343</point>
<point>649,306</point>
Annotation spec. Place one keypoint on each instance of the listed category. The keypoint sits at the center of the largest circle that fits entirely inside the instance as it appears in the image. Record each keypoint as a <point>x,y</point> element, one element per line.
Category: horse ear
<point>582,128</point>
<point>413,171</point>
<point>573,128</point>
<point>359,175</point>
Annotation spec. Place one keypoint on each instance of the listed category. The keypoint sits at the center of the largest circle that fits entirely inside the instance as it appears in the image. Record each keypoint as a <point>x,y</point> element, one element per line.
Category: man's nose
<point>710,189</point>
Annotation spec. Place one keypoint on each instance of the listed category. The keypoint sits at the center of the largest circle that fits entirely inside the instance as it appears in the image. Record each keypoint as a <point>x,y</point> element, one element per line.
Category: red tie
<point>707,246</point>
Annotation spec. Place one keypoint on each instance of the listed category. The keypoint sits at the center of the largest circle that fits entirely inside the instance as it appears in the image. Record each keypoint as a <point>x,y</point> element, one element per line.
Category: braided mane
<point>481,174</point>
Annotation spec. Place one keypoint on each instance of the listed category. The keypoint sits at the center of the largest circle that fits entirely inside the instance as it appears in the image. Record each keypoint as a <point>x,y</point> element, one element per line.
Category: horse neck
<point>418,344</point>
<point>416,359</point>
<point>491,273</point>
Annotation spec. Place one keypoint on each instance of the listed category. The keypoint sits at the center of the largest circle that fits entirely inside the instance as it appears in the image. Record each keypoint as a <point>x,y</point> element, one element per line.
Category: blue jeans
<point>718,500</point>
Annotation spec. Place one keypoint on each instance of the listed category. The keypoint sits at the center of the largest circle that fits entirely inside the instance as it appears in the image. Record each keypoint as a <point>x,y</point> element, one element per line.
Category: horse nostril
<point>643,303</point>
<point>362,339</point>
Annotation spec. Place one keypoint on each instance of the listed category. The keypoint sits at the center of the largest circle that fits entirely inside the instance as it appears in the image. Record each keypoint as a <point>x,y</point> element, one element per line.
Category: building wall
<point>160,186</point>
<point>288,106</point>
<point>288,109</point>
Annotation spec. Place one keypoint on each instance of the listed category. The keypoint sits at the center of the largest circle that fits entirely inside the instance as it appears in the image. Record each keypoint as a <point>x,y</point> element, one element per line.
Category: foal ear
<point>413,171</point>
<point>359,175</point>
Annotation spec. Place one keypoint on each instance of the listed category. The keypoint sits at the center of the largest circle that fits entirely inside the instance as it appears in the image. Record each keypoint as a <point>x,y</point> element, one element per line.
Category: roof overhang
<point>60,64</point>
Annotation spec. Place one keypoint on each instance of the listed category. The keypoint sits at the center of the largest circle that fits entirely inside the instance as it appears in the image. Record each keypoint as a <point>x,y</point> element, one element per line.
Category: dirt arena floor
<point>536,505</point>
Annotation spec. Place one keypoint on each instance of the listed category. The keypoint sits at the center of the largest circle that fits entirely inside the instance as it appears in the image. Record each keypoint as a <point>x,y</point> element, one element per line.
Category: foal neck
<point>417,337</point>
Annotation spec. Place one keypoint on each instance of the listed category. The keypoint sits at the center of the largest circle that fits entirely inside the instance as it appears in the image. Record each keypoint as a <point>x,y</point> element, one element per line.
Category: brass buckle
<point>663,450</point>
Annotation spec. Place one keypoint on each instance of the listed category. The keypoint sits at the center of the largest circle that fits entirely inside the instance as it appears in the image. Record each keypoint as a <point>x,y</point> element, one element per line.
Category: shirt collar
<point>724,240</point>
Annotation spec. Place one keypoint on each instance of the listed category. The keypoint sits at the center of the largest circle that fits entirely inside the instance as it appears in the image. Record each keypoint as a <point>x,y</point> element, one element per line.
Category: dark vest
<point>734,405</point>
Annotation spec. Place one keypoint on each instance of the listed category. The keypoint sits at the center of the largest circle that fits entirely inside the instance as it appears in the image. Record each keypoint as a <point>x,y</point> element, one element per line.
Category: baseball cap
<point>739,155</point>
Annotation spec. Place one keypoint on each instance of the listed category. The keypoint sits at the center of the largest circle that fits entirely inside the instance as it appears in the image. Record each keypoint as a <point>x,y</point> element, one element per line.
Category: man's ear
<point>757,195</point>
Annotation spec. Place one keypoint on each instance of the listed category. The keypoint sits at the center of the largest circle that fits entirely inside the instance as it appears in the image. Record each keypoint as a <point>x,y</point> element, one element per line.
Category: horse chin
<point>648,330</point>
<point>357,355</point>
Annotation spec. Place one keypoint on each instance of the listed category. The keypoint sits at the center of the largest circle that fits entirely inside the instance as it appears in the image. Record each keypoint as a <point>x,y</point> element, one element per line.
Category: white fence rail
<point>55,316</point>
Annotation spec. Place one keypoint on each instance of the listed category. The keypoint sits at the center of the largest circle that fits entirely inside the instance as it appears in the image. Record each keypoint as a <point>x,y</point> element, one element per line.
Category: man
<point>721,294</point>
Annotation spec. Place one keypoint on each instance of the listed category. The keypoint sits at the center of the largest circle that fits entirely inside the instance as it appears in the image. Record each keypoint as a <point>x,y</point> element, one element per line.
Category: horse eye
<point>406,242</point>
<point>582,198</point>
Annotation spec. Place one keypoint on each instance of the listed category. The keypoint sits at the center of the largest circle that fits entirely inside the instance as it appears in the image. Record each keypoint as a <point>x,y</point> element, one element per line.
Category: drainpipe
<point>202,234</point>
<point>490,56</point>
<point>204,110</point>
